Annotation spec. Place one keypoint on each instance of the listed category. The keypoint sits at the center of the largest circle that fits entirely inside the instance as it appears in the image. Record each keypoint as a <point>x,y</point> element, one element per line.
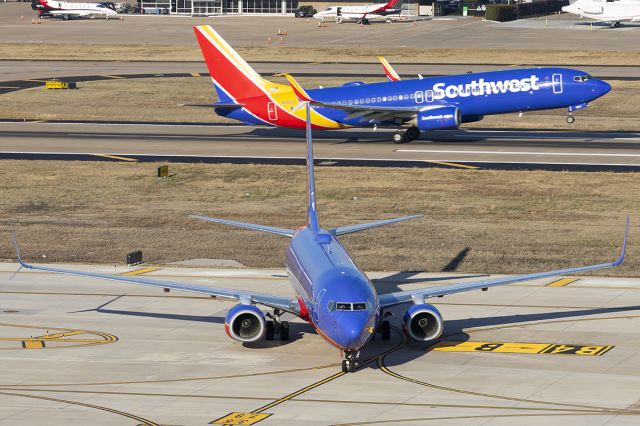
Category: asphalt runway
<point>466,149</point>
<point>78,351</point>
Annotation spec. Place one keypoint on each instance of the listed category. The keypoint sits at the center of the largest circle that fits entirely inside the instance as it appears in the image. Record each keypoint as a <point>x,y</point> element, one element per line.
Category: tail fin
<point>312,212</point>
<point>232,76</point>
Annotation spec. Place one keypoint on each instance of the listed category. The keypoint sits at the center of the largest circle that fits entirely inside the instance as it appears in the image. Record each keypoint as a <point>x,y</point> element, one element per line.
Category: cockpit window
<point>343,306</point>
<point>582,78</point>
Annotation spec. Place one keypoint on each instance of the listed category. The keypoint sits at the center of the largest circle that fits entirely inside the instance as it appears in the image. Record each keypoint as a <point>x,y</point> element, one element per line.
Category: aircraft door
<point>557,83</point>
<point>272,110</point>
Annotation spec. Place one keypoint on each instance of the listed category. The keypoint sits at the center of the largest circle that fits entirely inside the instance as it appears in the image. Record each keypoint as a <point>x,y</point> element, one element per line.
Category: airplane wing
<point>364,112</point>
<point>277,302</point>
<point>419,295</point>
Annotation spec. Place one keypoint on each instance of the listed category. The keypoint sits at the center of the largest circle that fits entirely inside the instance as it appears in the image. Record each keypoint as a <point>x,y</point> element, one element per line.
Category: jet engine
<point>446,117</point>
<point>245,323</point>
<point>423,322</point>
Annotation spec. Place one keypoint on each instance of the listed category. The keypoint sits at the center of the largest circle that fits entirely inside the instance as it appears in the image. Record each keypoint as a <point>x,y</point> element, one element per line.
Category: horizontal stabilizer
<point>369,225</point>
<point>255,227</point>
<point>301,94</point>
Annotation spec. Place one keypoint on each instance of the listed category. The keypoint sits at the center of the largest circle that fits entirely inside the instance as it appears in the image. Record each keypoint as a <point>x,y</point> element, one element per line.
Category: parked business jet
<point>332,293</point>
<point>360,14</point>
<point>411,106</point>
<point>606,10</point>
<point>68,10</point>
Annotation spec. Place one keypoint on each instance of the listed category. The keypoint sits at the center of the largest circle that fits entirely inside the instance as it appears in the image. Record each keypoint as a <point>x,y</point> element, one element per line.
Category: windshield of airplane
<point>582,78</point>
<point>344,306</point>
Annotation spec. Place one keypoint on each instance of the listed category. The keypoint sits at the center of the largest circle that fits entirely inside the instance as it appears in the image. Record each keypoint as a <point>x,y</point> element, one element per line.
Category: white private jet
<point>360,14</point>
<point>606,10</point>
<point>67,10</point>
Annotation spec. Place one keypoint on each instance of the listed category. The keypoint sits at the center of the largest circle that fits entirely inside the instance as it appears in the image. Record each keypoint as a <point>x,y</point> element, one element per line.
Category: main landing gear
<point>275,326</point>
<point>349,363</point>
<point>408,135</point>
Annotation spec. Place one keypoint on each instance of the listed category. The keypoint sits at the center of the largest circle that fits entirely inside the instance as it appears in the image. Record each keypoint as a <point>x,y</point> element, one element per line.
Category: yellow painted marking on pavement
<point>460,166</point>
<point>60,335</point>
<point>521,348</point>
<point>139,271</point>
<point>299,392</point>
<point>112,76</point>
<point>196,74</point>
<point>238,418</point>
<point>33,344</point>
<point>562,282</point>
<point>116,157</point>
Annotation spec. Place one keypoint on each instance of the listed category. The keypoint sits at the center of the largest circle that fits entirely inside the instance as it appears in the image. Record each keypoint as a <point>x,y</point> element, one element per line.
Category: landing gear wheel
<point>412,134</point>
<point>386,330</point>
<point>571,119</point>
<point>348,366</point>
<point>284,330</point>
<point>271,330</point>
<point>400,137</point>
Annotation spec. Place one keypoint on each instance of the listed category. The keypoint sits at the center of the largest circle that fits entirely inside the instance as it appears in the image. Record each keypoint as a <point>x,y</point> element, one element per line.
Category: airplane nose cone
<point>353,330</point>
<point>603,87</point>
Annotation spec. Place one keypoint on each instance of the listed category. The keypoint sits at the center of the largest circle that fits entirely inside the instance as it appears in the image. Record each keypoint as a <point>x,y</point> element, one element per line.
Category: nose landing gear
<point>570,119</point>
<point>349,363</point>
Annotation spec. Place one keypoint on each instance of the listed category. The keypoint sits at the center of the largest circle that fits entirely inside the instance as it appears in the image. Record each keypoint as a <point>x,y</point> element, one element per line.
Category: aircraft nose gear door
<point>272,110</point>
<point>557,83</point>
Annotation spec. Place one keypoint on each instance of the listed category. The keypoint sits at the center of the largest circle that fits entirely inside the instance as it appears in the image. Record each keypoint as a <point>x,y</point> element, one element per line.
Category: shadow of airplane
<point>455,329</point>
<point>296,330</point>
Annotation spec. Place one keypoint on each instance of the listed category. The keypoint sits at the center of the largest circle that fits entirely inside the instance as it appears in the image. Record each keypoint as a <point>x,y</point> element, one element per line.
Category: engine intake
<point>245,323</point>
<point>423,322</point>
<point>439,118</point>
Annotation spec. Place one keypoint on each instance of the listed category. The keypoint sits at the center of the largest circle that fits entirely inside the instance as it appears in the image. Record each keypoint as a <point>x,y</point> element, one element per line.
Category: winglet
<point>297,89</point>
<point>392,75</point>
<point>15,245</point>
<point>623,252</point>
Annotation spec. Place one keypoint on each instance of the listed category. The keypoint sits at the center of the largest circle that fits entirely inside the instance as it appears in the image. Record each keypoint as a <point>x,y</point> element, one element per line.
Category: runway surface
<point>78,351</point>
<point>13,71</point>
<point>469,149</point>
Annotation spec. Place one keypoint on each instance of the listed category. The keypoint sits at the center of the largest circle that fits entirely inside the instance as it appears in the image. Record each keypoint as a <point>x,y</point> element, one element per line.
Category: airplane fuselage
<point>335,296</point>
<point>474,94</point>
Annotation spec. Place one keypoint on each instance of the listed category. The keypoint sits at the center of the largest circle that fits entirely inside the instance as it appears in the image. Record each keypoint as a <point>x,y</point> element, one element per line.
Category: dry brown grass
<point>101,52</point>
<point>159,99</point>
<point>511,221</point>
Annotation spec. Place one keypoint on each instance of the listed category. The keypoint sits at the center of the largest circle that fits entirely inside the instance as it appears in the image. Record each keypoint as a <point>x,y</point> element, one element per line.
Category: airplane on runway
<point>411,106</point>
<point>332,293</point>
<point>69,10</point>
<point>606,10</point>
<point>360,14</point>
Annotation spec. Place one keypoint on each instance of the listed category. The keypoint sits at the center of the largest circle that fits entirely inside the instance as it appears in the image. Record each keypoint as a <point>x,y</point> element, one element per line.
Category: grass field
<point>159,99</point>
<point>146,52</point>
<point>511,222</point>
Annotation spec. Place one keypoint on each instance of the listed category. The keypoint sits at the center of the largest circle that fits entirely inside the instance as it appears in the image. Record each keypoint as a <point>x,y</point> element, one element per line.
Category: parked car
<point>305,12</point>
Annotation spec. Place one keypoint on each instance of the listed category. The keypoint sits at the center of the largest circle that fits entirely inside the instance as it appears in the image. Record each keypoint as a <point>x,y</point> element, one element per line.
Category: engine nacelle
<point>438,118</point>
<point>423,322</point>
<point>245,323</point>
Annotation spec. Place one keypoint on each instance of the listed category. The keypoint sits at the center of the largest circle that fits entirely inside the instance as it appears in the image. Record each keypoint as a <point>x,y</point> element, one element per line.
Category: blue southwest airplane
<point>411,106</point>
<point>332,293</point>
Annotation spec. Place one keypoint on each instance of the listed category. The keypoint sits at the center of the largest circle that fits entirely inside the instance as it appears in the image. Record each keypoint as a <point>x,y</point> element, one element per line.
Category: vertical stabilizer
<point>312,213</point>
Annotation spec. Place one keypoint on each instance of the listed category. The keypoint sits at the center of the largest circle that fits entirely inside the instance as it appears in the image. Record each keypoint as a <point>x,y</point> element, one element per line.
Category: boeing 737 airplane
<point>360,14</point>
<point>606,10</point>
<point>68,10</point>
<point>332,293</point>
<point>411,106</point>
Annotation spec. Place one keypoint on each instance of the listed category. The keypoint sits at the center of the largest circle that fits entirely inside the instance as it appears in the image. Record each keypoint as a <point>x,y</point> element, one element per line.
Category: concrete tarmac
<point>476,146</point>
<point>80,351</point>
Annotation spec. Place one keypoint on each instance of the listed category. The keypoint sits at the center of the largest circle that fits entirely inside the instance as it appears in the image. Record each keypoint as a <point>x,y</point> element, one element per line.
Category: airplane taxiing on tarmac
<point>68,10</point>
<point>360,14</point>
<point>411,106</point>
<point>332,293</point>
